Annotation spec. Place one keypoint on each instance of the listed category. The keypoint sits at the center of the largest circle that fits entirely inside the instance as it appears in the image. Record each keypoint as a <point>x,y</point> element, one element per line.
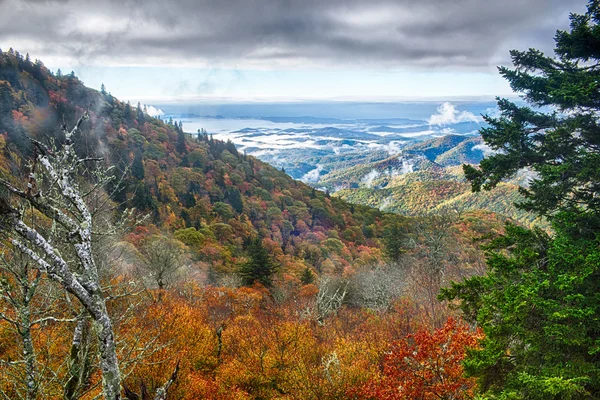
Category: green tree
<point>560,147</point>
<point>137,166</point>
<point>259,267</point>
<point>539,303</point>
<point>307,277</point>
<point>181,146</point>
<point>394,241</point>
<point>234,197</point>
<point>140,113</point>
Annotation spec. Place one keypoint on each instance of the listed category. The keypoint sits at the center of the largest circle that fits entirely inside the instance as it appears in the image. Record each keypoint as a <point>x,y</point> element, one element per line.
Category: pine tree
<point>307,276</point>
<point>103,89</point>
<point>140,113</point>
<point>128,114</point>
<point>561,147</point>
<point>234,197</point>
<point>181,146</point>
<point>137,166</point>
<point>394,242</point>
<point>259,267</point>
<point>538,304</point>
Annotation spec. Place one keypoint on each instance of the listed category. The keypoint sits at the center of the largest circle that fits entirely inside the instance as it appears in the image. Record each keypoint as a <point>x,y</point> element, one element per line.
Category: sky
<point>284,50</point>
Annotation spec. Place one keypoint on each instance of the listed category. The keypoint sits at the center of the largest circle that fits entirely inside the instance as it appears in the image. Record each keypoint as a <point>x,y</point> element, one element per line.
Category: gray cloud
<point>471,34</point>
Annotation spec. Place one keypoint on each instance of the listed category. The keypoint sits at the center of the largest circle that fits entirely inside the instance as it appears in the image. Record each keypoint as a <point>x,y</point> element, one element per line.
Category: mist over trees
<point>139,261</point>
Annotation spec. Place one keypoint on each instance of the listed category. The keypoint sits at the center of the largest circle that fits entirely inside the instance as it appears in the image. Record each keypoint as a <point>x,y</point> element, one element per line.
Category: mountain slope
<point>197,185</point>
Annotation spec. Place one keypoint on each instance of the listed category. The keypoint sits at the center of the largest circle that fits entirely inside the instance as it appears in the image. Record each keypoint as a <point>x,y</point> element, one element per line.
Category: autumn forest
<point>139,260</point>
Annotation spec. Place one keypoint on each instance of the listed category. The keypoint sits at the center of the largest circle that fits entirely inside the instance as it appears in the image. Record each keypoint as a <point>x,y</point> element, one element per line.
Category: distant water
<point>339,110</point>
<point>304,138</point>
<point>309,139</point>
<point>223,126</point>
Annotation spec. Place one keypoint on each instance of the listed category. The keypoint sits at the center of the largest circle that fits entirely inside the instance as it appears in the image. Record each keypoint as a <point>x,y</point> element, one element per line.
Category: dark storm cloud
<point>391,33</point>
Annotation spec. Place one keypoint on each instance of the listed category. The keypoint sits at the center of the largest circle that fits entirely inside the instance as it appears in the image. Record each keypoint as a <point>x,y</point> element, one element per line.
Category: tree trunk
<point>111,376</point>
<point>28,353</point>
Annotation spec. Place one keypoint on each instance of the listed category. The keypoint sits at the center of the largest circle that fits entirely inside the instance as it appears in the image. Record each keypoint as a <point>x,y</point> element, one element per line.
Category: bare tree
<point>161,392</point>
<point>162,258</point>
<point>434,256</point>
<point>54,192</point>
<point>58,188</point>
<point>17,290</point>
<point>331,295</point>
<point>377,287</point>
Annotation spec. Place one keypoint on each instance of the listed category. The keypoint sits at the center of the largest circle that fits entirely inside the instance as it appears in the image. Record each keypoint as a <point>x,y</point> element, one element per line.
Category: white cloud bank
<point>370,177</point>
<point>312,176</point>
<point>153,111</point>
<point>487,150</point>
<point>447,114</point>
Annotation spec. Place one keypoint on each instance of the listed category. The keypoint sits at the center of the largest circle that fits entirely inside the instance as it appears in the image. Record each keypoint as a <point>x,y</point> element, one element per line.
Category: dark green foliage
<point>234,197</point>
<point>539,304</point>
<point>539,307</point>
<point>139,113</point>
<point>562,147</point>
<point>181,146</point>
<point>137,166</point>
<point>259,267</point>
<point>307,276</point>
<point>394,241</point>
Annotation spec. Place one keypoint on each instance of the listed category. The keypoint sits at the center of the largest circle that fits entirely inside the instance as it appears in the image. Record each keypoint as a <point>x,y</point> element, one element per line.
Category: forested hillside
<point>427,178</point>
<point>256,285</point>
<point>192,186</point>
<point>138,261</point>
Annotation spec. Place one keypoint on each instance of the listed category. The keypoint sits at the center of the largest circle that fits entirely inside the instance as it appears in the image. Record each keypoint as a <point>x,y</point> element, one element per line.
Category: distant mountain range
<point>426,177</point>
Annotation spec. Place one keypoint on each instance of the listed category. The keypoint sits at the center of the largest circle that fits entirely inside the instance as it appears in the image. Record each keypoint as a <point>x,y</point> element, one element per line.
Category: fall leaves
<point>426,365</point>
<point>243,344</point>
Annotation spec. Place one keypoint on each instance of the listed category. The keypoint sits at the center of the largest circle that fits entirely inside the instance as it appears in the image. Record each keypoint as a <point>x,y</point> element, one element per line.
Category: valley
<point>400,165</point>
<point>299,200</point>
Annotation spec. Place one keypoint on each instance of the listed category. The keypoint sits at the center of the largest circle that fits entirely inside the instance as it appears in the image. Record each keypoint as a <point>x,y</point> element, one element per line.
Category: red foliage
<point>426,366</point>
<point>56,98</point>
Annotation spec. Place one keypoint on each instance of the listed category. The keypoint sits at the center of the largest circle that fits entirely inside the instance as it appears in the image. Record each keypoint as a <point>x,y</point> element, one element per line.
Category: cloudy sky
<point>224,50</point>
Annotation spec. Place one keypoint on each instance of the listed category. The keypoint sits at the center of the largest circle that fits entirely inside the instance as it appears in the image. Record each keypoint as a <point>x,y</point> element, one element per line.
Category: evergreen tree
<point>394,242</point>
<point>561,147</point>
<point>181,146</point>
<point>140,113</point>
<point>212,276</point>
<point>307,276</point>
<point>128,114</point>
<point>234,197</point>
<point>137,166</point>
<point>103,89</point>
<point>539,302</point>
<point>259,267</point>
